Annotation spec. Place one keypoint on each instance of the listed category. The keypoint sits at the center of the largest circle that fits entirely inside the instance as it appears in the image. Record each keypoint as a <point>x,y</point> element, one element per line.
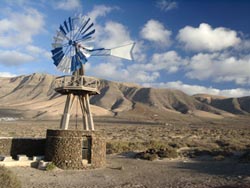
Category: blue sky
<point>194,46</point>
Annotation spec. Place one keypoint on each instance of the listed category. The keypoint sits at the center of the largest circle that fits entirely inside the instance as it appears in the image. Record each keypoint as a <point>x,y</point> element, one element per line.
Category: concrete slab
<point>22,158</point>
<point>16,163</point>
<point>8,159</point>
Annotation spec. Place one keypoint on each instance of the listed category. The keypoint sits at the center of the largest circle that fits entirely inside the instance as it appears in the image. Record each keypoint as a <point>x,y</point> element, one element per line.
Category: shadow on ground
<point>230,169</point>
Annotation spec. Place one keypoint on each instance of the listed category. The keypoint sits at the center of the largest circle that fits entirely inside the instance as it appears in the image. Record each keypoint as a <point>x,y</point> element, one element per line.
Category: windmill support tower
<point>78,88</point>
<point>67,148</point>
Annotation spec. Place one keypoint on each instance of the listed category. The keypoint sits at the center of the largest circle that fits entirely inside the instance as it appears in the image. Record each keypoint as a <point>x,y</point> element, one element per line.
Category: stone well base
<point>74,149</point>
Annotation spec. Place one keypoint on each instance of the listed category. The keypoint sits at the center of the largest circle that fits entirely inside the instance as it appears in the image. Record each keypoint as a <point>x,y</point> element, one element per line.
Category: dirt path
<point>126,172</point>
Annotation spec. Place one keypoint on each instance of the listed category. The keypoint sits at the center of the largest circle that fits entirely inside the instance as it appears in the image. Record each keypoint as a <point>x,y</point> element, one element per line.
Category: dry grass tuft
<point>8,179</point>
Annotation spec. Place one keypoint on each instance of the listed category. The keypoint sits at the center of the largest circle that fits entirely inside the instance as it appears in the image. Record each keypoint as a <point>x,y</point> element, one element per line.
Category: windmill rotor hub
<point>71,42</point>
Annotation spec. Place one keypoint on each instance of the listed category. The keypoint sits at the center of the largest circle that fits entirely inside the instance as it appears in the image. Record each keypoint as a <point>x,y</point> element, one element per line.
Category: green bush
<point>50,166</point>
<point>8,179</point>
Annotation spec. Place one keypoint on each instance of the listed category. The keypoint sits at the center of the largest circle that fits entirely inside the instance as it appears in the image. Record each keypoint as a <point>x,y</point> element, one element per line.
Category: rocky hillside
<point>233,105</point>
<point>32,96</point>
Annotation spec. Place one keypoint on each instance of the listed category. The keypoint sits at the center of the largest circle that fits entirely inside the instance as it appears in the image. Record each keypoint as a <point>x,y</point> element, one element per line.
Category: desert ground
<point>209,153</point>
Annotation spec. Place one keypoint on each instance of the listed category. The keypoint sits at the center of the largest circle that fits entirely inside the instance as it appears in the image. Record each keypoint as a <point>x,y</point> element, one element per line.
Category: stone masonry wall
<point>65,148</point>
<point>22,146</point>
<point>98,148</point>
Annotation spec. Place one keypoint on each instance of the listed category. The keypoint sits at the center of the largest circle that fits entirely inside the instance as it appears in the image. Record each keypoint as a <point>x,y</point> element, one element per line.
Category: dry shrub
<point>167,152</point>
<point>152,154</point>
<point>147,156</point>
<point>8,179</point>
<point>120,147</point>
<point>151,150</point>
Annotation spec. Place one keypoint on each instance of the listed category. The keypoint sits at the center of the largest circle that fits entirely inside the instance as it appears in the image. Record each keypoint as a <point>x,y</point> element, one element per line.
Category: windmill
<point>71,50</point>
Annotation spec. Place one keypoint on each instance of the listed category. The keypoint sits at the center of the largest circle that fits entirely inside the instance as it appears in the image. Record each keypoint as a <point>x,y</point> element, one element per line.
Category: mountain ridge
<point>34,97</point>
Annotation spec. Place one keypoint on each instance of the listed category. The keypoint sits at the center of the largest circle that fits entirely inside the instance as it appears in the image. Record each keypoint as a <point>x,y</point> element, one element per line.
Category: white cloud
<point>169,61</point>
<point>36,51</point>
<point>19,28</point>
<point>68,4</point>
<point>112,35</point>
<point>139,52</point>
<point>205,38</point>
<point>12,57</point>
<point>116,71</point>
<point>7,74</point>
<point>100,11</point>
<point>155,31</point>
<point>219,67</point>
<point>244,45</point>
<point>166,5</point>
<point>197,89</point>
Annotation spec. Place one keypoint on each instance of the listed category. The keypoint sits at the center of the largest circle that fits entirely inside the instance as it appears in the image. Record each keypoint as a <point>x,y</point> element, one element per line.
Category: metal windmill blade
<point>71,48</point>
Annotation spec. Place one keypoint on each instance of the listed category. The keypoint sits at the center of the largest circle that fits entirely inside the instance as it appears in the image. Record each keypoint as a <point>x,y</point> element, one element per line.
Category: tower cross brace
<point>78,88</point>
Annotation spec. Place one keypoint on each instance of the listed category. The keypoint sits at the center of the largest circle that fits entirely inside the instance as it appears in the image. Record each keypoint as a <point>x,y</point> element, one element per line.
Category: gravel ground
<point>124,172</point>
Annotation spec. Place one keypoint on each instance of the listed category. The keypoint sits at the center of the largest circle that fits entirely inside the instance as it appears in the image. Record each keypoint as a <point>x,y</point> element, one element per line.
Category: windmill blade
<point>84,24</point>
<point>58,39</point>
<point>62,30</point>
<point>66,26</point>
<point>124,51</point>
<point>57,50</point>
<point>64,65</point>
<point>88,35</point>
<point>61,35</point>
<point>56,45</point>
<point>70,24</point>
<point>73,23</point>
<point>80,29</point>
<point>86,40</point>
<point>57,59</point>
<point>57,55</point>
<point>91,25</point>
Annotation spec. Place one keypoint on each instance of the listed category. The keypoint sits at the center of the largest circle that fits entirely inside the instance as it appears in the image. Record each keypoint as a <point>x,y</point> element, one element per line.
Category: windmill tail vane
<point>71,47</point>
